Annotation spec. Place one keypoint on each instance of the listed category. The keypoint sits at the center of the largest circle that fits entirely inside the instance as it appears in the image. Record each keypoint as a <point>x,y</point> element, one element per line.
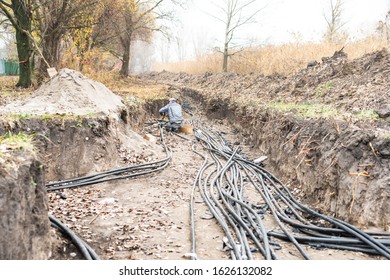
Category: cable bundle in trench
<point>240,193</point>
<point>115,174</point>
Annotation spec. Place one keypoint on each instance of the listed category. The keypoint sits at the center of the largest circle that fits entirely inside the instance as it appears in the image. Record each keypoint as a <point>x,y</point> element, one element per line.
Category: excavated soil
<point>323,160</point>
<point>67,93</point>
<point>148,218</point>
<point>350,86</point>
<point>326,129</point>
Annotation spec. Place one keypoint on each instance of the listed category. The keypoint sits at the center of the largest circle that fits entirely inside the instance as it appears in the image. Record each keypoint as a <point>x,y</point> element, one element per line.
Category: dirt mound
<point>69,92</point>
<point>325,130</point>
<point>350,86</point>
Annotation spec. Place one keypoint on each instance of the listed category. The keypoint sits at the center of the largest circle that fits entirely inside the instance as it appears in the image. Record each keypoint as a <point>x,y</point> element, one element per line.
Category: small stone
<point>312,63</point>
<point>383,112</point>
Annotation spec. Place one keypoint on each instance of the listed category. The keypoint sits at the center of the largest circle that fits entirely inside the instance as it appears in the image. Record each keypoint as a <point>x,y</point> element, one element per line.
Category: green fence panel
<point>2,67</point>
<point>9,67</point>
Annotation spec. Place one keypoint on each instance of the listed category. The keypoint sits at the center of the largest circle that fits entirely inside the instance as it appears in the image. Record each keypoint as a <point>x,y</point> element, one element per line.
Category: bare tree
<point>179,38</point>
<point>7,36</point>
<point>234,14</point>
<point>201,41</point>
<point>164,48</point>
<point>334,20</point>
<point>141,59</point>
<point>55,19</point>
<point>133,20</point>
<point>383,27</point>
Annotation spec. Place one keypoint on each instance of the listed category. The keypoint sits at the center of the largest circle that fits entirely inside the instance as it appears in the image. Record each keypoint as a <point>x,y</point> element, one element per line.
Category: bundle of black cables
<point>115,174</point>
<point>240,193</point>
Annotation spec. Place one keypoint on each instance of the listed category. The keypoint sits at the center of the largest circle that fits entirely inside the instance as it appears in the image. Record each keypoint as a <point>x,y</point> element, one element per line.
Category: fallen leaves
<point>142,218</point>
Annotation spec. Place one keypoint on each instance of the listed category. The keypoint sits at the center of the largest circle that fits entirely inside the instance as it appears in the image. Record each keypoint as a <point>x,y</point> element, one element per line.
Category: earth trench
<point>148,217</point>
<point>337,166</point>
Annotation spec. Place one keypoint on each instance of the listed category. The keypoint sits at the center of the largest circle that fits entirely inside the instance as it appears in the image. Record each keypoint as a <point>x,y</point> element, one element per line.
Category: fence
<point>9,67</point>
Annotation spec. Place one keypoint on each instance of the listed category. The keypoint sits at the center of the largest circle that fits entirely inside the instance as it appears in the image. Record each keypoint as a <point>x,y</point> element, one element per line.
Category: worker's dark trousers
<point>173,126</point>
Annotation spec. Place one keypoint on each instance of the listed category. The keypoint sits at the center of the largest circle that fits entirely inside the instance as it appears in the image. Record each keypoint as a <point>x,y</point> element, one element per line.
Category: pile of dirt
<point>339,164</point>
<point>350,86</point>
<point>70,93</point>
<point>71,110</point>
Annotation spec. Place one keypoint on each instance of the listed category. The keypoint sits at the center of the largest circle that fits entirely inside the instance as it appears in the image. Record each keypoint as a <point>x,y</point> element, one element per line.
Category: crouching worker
<point>174,112</point>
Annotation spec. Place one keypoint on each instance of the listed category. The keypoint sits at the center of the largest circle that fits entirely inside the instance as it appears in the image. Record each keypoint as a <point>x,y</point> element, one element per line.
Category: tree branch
<point>9,16</point>
<point>5,3</point>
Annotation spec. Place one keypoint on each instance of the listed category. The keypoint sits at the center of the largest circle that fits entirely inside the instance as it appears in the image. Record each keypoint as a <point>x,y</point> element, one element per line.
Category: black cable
<point>115,174</point>
<point>233,169</point>
<point>120,173</point>
<point>87,252</point>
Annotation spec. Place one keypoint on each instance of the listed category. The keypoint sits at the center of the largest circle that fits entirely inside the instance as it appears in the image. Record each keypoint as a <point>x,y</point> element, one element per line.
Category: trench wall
<point>340,168</point>
<point>67,148</point>
<point>24,222</point>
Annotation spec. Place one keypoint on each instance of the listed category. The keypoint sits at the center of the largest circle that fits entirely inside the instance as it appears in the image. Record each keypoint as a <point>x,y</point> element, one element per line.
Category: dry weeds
<point>283,59</point>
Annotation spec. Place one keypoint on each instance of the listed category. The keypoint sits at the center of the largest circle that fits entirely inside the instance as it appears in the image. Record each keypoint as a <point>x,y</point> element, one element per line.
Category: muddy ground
<point>323,160</point>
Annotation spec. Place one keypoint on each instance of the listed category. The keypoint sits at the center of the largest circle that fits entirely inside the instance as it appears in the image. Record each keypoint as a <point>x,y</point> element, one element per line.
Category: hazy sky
<point>281,21</point>
<point>280,18</point>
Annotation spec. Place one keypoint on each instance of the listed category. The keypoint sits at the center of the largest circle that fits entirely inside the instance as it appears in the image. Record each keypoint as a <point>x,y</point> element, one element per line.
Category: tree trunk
<point>125,70</point>
<point>23,44</point>
<point>51,52</point>
<point>225,58</point>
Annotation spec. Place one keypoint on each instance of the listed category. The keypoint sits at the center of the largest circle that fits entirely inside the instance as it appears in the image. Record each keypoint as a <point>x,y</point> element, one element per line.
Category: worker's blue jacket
<point>174,112</point>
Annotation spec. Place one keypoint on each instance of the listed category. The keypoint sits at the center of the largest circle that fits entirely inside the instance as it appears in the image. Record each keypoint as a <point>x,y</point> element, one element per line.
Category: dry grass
<point>9,91</point>
<point>19,141</point>
<point>96,65</point>
<point>7,82</point>
<point>130,86</point>
<point>15,143</point>
<point>284,59</point>
<point>8,86</point>
<point>203,63</point>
